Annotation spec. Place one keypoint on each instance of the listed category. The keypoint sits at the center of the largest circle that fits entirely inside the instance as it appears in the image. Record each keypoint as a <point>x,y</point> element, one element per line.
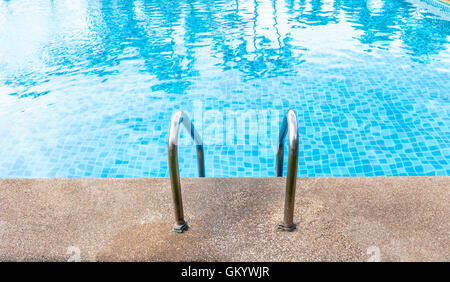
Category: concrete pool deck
<point>231,219</point>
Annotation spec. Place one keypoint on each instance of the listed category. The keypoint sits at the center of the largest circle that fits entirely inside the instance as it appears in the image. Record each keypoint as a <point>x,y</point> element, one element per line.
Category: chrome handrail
<point>290,125</point>
<point>179,117</point>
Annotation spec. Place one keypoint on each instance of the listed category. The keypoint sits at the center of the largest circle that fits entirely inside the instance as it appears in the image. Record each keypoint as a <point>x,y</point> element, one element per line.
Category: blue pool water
<point>87,88</point>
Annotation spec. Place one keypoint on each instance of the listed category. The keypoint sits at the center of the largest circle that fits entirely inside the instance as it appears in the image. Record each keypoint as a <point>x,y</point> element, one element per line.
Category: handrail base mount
<point>283,227</point>
<point>180,228</point>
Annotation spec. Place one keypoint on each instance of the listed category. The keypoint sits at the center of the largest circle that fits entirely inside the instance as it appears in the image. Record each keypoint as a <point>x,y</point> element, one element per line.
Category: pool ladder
<point>288,127</point>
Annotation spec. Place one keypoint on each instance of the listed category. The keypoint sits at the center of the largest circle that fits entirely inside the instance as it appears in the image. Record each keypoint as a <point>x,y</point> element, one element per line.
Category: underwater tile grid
<point>88,89</point>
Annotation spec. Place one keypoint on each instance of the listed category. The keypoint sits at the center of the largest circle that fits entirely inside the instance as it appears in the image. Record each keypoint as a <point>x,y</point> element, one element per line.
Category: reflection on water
<point>175,40</point>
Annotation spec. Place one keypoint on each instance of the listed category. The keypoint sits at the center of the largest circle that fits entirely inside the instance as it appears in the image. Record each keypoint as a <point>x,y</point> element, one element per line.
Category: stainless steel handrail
<point>177,118</point>
<point>290,126</point>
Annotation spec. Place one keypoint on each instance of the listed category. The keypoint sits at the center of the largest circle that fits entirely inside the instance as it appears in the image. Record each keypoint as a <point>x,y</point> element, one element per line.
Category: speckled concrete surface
<point>231,219</point>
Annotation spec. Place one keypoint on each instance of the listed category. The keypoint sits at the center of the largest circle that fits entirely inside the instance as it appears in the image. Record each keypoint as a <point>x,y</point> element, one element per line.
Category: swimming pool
<point>87,88</point>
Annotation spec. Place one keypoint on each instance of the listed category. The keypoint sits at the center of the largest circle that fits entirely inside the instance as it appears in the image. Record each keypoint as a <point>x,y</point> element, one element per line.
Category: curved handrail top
<point>181,117</point>
<point>290,126</point>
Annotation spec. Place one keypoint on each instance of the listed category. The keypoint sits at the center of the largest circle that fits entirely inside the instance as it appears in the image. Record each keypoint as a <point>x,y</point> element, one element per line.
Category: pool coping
<point>443,5</point>
<point>231,219</point>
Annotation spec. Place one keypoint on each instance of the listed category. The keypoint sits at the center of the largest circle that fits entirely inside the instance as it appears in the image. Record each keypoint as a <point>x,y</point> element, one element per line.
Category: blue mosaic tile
<point>88,89</point>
